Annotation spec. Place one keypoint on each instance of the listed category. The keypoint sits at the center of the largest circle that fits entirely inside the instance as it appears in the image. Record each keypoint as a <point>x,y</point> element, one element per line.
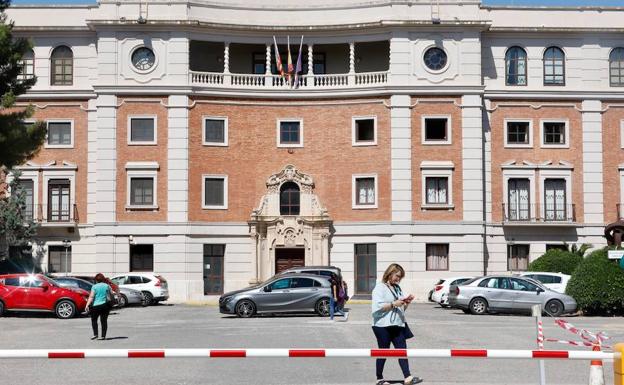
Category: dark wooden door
<point>287,258</point>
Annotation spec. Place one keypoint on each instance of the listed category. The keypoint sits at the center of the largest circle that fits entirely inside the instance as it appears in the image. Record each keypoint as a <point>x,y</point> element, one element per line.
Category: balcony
<point>539,214</point>
<point>323,66</point>
<point>51,216</point>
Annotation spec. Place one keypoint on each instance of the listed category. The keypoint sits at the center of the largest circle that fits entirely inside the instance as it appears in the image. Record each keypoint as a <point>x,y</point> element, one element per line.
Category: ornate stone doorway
<point>289,217</point>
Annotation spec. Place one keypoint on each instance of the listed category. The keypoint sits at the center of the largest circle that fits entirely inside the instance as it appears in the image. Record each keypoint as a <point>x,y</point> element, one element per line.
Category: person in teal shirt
<point>100,293</point>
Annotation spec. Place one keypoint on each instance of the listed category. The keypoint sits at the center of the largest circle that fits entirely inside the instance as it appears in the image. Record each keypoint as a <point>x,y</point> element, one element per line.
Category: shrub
<point>556,261</point>
<point>597,285</point>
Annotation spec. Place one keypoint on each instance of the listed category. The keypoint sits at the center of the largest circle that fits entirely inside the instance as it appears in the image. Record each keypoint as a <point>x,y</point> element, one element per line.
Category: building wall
<point>613,159</point>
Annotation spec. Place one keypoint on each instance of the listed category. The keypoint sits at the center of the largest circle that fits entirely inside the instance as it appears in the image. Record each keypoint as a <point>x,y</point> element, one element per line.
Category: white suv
<point>554,281</point>
<point>153,286</point>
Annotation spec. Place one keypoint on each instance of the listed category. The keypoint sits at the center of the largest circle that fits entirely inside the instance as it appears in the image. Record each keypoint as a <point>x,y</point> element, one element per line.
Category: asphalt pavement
<point>183,326</point>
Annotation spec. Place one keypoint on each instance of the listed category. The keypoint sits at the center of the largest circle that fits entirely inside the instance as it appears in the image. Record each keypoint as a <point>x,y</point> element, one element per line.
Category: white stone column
<point>310,59</point>
<point>267,70</point>
<point>351,57</point>
<point>592,163</point>
<point>106,177</point>
<point>472,157</point>
<point>401,157</point>
<point>177,159</point>
<point>226,58</point>
<point>400,58</point>
<point>92,148</point>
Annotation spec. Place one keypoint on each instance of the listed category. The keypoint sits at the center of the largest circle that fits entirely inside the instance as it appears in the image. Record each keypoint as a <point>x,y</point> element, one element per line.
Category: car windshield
<point>468,282</point>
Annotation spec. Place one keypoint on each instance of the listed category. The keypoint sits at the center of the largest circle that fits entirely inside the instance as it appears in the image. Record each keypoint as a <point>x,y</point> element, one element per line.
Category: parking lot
<point>183,326</point>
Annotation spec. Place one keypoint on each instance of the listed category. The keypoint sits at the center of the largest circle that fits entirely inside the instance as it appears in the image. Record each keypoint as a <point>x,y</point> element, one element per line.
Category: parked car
<point>28,292</point>
<point>124,297</point>
<point>554,281</point>
<point>153,286</point>
<point>508,294</point>
<point>441,289</point>
<point>280,294</point>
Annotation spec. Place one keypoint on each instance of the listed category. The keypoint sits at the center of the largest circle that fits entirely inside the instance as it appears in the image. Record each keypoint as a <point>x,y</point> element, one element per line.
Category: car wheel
<point>123,301</point>
<point>554,308</point>
<point>245,309</point>
<point>65,309</point>
<point>478,306</point>
<point>430,296</point>
<point>149,298</point>
<point>1,308</point>
<point>322,307</point>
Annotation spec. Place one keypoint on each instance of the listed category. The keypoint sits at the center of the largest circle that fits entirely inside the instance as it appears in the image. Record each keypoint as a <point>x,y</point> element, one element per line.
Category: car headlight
<point>226,300</point>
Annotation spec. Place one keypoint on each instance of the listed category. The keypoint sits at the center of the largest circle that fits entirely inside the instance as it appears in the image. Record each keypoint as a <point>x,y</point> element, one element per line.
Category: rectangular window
<point>258,63</point>
<point>28,67</point>
<point>290,134</point>
<point>141,257</point>
<point>518,133</point>
<point>59,259</point>
<point>554,133</point>
<point>518,199</point>
<point>143,130</point>
<point>364,131</point>
<point>319,63</point>
<point>28,187</point>
<point>437,256</point>
<point>517,257</point>
<point>60,134</point>
<point>437,190</point>
<point>215,131</point>
<point>141,191</point>
<point>365,194</point>
<point>555,200</point>
<point>215,192</point>
<point>365,267</point>
<point>436,130</point>
<point>59,200</point>
<point>213,269</point>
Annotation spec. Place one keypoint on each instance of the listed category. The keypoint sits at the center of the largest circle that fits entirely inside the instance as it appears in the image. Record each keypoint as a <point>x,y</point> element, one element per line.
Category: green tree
<point>556,261</point>
<point>19,142</point>
<point>17,227</point>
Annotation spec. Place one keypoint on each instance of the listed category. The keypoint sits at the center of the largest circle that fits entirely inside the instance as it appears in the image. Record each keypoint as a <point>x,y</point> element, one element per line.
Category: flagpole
<point>298,67</point>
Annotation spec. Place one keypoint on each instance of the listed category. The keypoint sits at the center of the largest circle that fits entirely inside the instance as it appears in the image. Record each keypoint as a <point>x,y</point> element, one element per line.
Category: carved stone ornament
<point>290,174</point>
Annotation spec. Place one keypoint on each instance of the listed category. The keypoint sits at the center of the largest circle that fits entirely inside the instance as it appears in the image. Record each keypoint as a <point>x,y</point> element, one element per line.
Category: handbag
<point>407,332</point>
<point>110,298</point>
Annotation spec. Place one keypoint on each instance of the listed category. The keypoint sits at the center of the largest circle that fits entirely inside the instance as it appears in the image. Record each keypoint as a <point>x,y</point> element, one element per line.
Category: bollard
<point>618,364</point>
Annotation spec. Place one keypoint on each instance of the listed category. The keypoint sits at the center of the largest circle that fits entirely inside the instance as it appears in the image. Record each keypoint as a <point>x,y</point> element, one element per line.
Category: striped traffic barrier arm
<point>308,353</point>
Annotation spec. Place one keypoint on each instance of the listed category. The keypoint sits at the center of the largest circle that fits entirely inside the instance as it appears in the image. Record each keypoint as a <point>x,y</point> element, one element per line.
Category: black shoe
<point>104,338</point>
<point>94,338</point>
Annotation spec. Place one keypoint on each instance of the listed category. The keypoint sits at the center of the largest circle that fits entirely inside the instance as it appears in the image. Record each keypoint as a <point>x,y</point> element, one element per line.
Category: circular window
<point>143,58</point>
<point>435,59</point>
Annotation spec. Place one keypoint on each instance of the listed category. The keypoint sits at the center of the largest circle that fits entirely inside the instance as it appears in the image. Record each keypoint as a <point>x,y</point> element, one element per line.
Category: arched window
<point>554,67</point>
<point>616,67</point>
<point>289,199</point>
<point>516,67</point>
<point>28,65</point>
<point>62,66</point>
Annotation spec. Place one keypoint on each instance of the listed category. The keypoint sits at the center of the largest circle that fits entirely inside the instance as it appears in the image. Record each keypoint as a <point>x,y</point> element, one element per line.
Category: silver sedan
<point>508,294</point>
<point>280,294</point>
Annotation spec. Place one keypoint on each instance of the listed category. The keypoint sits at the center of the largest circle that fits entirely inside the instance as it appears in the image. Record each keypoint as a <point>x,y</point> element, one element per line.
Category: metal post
<point>536,310</point>
<point>66,244</point>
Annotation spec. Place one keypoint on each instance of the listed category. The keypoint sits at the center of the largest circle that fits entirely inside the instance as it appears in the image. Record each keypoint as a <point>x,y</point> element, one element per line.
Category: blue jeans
<point>333,308</point>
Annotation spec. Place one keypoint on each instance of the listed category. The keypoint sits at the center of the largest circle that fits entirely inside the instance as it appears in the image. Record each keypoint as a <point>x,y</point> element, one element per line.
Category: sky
<point>486,2</point>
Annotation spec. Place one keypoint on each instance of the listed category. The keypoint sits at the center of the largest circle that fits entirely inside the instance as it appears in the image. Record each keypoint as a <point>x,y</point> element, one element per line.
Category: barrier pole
<point>537,313</point>
<point>618,364</point>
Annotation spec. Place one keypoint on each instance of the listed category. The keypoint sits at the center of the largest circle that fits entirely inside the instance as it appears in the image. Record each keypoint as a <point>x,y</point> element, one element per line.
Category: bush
<point>556,261</point>
<point>597,285</point>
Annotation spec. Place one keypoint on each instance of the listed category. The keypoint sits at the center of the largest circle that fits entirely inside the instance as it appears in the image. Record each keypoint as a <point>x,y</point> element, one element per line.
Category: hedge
<point>597,285</point>
<point>557,261</point>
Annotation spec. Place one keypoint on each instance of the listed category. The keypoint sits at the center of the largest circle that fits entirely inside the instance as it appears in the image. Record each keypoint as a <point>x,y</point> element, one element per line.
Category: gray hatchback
<point>286,293</point>
<point>508,294</point>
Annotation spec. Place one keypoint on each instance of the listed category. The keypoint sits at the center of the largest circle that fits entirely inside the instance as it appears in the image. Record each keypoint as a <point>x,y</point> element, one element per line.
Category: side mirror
<point>540,290</point>
<point>45,286</point>
<point>267,289</point>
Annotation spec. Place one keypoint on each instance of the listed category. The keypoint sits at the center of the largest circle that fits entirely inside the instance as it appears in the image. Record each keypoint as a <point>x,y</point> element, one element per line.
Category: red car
<point>35,292</point>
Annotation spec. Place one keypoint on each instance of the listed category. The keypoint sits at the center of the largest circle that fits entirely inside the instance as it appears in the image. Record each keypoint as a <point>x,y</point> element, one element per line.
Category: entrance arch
<point>300,235</point>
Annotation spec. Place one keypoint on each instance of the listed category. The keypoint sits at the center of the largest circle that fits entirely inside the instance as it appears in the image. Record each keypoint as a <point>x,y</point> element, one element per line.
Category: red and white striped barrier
<point>310,353</point>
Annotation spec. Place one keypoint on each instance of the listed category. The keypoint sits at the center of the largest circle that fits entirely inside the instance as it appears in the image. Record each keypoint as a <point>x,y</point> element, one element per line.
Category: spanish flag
<point>291,68</point>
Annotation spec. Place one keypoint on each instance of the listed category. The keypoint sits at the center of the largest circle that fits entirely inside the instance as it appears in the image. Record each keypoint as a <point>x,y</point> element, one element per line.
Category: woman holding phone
<point>388,309</point>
